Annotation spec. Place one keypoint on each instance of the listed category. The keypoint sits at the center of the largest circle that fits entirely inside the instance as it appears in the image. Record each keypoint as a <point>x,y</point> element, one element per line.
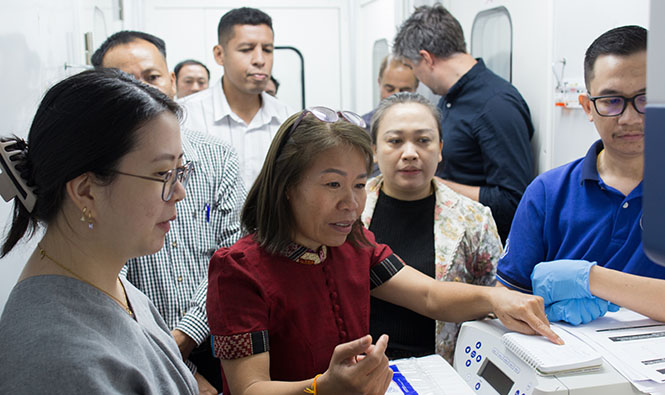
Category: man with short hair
<point>394,76</point>
<point>191,76</point>
<point>176,278</point>
<point>590,210</point>
<point>485,121</point>
<point>236,108</point>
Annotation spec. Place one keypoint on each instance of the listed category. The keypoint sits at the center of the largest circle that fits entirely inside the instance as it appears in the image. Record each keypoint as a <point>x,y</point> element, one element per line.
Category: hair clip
<point>11,183</point>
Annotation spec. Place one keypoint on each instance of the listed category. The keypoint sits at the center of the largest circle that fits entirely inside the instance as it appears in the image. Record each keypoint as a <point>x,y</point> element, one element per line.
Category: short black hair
<point>125,37</point>
<point>189,62</point>
<point>240,16</point>
<point>622,41</point>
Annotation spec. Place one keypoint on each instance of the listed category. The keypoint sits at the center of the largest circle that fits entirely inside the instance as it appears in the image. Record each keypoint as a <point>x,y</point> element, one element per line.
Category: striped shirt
<point>176,278</point>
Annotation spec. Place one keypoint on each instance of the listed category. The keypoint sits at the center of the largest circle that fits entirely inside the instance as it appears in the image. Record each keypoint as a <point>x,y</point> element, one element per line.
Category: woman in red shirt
<point>291,299</point>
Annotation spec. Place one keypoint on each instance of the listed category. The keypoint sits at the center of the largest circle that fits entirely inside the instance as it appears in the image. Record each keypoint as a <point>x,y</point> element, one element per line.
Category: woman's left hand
<point>523,313</point>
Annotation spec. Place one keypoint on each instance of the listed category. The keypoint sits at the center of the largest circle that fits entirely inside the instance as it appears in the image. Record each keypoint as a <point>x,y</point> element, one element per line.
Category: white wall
<point>377,19</point>
<point>37,39</point>
<point>321,30</point>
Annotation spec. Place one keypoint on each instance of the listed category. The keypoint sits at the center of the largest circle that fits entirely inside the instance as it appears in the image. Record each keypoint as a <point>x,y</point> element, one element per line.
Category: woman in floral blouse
<point>436,230</point>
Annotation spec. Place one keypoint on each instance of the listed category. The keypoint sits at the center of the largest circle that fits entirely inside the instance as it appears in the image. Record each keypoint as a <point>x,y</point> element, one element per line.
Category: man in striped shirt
<point>176,277</point>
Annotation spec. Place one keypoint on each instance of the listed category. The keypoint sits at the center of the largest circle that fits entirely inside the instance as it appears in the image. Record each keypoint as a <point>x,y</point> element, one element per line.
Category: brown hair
<point>267,212</point>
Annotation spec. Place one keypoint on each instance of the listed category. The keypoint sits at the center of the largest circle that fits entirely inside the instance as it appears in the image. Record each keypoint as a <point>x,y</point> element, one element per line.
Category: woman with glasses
<point>451,237</point>
<point>102,172</point>
<point>288,305</point>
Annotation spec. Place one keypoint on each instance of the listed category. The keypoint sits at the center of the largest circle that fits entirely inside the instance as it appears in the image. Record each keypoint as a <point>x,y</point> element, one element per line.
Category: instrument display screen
<point>496,378</point>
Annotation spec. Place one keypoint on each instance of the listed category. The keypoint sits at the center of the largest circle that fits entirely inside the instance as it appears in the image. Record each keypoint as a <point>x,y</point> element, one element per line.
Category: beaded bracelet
<point>312,390</point>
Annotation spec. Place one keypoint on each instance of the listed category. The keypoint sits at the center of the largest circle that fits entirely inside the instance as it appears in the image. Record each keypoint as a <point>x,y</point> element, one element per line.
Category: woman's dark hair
<point>85,123</point>
<point>402,98</point>
<point>267,212</point>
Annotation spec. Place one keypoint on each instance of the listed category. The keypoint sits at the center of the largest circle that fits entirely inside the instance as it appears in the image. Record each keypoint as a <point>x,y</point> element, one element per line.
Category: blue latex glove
<point>562,279</point>
<point>579,311</point>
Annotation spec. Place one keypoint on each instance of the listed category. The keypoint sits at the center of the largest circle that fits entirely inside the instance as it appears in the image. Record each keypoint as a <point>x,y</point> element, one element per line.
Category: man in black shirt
<point>486,123</point>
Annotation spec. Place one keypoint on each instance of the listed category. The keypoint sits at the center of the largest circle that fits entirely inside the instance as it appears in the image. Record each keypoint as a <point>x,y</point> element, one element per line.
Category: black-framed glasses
<point>169,180</point>
<point>323,114</point>
<point>613,105</point>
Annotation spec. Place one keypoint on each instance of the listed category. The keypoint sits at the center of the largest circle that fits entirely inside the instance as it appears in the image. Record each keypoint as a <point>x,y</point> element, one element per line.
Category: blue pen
<point>207,212</point>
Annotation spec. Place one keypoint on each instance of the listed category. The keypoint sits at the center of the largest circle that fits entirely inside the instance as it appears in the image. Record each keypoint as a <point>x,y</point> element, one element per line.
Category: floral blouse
<point>466,246</point>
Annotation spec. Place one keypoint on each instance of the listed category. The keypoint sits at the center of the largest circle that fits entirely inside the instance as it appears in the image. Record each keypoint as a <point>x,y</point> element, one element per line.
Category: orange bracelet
<point>312,390</point>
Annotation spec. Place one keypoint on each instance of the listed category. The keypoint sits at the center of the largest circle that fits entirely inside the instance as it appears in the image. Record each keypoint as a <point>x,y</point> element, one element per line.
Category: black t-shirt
<point>408,228</point>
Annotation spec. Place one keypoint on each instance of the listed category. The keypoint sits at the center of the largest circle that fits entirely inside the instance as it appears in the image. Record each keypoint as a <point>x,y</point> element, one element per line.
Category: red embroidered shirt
<point>260,302</point>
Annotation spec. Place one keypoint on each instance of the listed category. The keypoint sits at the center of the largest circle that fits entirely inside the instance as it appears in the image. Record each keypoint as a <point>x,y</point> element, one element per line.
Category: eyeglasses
<point>323,114</point>
<point>169,180</point>
<point>612,106</point>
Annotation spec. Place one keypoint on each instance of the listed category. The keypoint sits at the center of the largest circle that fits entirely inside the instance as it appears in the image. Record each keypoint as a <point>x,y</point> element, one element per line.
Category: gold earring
<point>87,216</point>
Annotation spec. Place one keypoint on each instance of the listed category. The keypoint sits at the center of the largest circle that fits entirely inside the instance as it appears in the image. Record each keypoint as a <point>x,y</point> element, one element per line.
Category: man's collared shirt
<point>176,277</point>
<point>570,213</point>
<point>210,112</point>
<point>486,128</point>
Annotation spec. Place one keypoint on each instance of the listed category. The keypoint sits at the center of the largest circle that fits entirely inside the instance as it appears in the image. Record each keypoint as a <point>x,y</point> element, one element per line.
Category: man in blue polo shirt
<point>590,210</point>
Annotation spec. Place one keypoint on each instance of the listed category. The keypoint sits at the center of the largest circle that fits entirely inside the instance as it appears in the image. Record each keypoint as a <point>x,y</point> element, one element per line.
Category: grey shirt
<point>59,335</point>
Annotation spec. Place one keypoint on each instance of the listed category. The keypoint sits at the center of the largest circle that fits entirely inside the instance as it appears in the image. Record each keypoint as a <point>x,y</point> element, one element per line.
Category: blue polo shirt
<point>570,213</point>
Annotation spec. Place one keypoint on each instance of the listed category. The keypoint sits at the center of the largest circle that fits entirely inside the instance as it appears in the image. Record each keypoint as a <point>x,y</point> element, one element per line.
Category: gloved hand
<point>579,311</point>
<point>562,279</point>
<point>564,285</point>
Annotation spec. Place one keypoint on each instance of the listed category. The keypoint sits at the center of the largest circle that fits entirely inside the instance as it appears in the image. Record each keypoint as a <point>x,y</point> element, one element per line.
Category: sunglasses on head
<point>324,114</point>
